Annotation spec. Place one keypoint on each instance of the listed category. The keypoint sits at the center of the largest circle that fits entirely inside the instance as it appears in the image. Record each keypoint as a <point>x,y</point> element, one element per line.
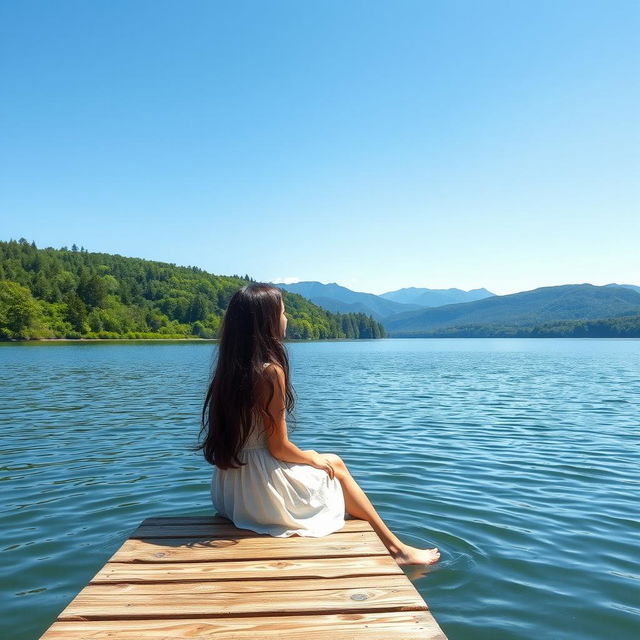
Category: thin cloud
<point>287,280</point>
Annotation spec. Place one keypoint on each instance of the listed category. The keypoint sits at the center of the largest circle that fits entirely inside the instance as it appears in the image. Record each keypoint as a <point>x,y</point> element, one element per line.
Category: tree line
<point>617,327</point>
<point>74,293</point>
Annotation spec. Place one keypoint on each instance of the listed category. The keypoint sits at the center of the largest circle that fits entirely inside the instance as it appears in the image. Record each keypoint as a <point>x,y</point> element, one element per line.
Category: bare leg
<point>359,506</point>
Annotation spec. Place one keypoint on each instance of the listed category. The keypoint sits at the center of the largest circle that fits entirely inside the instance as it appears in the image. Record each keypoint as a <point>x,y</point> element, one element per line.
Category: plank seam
<point>251,558</point>
<point>255,579</point>
<point>243,614</point>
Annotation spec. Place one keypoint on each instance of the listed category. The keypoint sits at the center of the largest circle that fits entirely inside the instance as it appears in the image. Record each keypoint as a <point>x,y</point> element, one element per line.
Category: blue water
<point>517,458</point>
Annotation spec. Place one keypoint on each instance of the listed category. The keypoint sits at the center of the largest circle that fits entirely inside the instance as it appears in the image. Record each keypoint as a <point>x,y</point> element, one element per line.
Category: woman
<point>261,480</point>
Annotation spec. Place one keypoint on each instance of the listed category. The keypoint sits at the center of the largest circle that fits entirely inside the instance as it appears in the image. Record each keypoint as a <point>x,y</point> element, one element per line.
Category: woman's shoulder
<point>274,373</point>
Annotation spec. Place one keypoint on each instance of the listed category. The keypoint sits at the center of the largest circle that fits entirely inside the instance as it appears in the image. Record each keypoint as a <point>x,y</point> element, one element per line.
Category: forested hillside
<point>625,327</point>
<point>73,293</point>
<point>570,310</point>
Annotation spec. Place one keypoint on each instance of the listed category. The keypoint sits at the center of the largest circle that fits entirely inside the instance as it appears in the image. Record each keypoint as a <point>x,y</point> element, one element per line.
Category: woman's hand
<point>320,462</point>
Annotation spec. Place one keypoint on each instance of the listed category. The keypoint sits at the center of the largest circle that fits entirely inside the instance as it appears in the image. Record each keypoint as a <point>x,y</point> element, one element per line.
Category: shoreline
<point>292,340</point>
<point>112,340</point>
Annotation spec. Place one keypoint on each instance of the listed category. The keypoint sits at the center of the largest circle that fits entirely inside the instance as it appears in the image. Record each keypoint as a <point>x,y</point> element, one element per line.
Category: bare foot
<point>413,555</point>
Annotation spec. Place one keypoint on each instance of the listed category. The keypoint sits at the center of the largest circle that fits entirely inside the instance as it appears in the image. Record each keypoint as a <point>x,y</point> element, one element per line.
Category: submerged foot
<point>413,555</point>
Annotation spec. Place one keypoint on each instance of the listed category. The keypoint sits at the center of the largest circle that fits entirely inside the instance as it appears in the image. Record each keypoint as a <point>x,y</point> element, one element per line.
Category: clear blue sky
<point>374,144</point>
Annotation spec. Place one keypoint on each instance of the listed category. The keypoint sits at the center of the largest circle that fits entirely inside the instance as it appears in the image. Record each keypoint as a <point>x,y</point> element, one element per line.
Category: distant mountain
<point>626,286</point>
<point>569,302</point>
<point>337,299</point>
<point>435,297</point>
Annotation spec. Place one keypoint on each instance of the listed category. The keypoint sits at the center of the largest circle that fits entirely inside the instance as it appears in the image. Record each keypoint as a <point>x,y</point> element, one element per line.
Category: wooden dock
<point>201,577</point>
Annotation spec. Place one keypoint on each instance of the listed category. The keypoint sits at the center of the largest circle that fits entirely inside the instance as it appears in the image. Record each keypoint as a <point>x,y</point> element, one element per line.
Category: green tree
<point>199,308</point>
<point>20,314</point>
<point>76,313</point>
<point>92,290</point>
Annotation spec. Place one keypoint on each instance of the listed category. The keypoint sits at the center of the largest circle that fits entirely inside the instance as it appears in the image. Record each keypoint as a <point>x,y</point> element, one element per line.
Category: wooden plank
<point>256,547</point>
<point>392,625</point>
<point>247,569</point>
<point>229,599</point>
<point>269,585</point>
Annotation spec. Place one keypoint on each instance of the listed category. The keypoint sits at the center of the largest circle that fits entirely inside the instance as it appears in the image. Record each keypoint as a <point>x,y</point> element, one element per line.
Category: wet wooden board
<point>201,577</point>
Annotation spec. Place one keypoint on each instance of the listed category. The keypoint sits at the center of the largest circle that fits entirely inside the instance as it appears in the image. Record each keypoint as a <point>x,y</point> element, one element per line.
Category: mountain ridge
<point>550,308</point>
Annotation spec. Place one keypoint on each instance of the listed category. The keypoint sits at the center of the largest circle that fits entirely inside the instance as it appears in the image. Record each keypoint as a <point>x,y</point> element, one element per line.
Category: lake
<point>518,458</point>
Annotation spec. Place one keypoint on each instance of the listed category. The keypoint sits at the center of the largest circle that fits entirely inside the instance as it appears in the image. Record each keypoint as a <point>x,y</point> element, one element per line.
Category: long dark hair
<point>249,336</point>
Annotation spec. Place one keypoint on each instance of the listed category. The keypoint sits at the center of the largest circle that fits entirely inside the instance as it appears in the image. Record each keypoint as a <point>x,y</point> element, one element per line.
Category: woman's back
<point>257,438</point>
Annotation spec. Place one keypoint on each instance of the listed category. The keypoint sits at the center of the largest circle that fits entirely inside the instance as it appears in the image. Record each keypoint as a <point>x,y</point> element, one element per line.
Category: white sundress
<point>279,498</point>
